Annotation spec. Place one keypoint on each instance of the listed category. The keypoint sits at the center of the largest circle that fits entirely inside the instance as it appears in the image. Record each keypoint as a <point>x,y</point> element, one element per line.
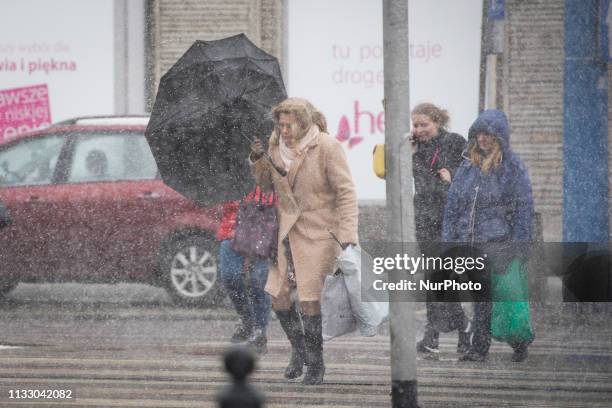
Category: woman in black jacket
<point>436,157</point>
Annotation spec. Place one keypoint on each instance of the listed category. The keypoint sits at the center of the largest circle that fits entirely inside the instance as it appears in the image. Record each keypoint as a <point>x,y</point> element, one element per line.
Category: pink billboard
<point>23,109</point>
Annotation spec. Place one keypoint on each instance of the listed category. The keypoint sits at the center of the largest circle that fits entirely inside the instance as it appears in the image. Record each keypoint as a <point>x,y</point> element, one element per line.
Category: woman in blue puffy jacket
<point>490,201</point>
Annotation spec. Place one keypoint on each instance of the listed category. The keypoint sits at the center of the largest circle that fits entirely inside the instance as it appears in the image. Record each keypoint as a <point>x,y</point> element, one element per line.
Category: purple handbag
<point>256,232</point>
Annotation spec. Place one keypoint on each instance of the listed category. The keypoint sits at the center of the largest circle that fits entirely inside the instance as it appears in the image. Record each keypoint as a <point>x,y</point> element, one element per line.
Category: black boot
<point>314,350</point>
<point>520,351</point>
<point>465,339</point>
<point>290,322</point>
<point>473,355</point>
<point>241,333</point>
<point>258,342</point>
<point>429,345</point>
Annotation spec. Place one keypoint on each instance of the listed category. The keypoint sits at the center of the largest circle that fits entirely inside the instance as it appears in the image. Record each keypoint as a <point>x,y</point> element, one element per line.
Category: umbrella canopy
<point>215,97</point>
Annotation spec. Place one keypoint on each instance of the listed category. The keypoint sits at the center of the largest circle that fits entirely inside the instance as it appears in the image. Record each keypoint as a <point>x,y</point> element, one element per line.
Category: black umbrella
<point>213,100</point>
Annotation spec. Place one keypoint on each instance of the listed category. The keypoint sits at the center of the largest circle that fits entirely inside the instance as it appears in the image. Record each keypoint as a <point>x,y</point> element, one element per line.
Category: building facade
<point>523,65</point>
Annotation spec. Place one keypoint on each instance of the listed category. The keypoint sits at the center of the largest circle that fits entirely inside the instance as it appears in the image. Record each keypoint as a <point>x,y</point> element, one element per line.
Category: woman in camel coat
<point>315,197</point>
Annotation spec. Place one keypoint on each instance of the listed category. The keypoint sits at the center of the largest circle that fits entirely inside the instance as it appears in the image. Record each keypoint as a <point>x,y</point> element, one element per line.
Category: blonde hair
<point>489,162</point>
<point>305,114</point>
<point>319,119</point>
<point>299,107</point>
<point>433,112</point>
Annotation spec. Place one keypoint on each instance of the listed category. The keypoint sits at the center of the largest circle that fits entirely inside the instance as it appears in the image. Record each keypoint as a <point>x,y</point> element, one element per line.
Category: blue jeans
<point>246,290</point>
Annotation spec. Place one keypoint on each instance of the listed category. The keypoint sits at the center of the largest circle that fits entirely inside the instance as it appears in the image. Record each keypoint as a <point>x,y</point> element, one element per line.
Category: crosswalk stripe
<point>194,376</point>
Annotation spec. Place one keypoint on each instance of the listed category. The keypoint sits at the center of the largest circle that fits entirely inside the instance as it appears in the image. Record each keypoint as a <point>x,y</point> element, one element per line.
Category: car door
<point>28,173</point>
<point>117,202</point>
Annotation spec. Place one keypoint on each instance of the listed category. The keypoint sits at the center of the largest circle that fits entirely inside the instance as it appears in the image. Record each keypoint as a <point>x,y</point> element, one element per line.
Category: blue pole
<point>585,127</point>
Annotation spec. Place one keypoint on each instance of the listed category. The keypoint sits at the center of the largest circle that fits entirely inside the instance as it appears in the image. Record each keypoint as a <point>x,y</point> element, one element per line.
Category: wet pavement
<point>127,345</point>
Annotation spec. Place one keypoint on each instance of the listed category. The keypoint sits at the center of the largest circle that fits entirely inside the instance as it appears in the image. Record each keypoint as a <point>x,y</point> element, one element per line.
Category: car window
<point>30,162</point>
<point>112,157</point>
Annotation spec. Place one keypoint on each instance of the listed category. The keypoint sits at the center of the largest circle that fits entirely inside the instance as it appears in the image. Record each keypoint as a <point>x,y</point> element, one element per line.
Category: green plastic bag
<point>510,315</point>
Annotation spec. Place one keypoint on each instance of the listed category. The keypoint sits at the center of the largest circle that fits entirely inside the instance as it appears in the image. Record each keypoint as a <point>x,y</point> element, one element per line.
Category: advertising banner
<point>68,45</point>
<point>334,56</point>
<point>22,110</point>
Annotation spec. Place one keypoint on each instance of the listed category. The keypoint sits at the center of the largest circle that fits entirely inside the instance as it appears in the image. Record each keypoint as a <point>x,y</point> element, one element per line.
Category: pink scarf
<point>289,154</point>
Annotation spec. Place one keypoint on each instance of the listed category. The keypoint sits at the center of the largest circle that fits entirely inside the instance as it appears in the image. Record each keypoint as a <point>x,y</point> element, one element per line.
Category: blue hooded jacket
<point>493,207</point>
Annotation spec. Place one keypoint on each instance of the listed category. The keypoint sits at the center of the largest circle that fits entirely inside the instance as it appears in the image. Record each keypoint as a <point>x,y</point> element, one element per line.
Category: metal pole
<point>400,213</point>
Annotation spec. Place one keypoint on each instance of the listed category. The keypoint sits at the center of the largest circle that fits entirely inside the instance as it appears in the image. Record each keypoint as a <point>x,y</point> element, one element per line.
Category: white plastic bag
<point>336,313</point>
<point>353,261</point>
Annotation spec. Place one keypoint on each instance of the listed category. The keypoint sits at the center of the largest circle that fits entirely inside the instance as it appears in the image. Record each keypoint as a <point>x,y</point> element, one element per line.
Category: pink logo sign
<point>22,110</point>
<point>360,118</point>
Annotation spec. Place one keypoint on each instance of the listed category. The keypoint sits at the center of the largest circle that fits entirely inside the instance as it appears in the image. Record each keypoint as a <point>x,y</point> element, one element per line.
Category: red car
<point>87,204</point>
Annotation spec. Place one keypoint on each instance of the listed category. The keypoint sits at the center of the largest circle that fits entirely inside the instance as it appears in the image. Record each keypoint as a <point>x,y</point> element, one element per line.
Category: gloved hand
<point>257,150</point>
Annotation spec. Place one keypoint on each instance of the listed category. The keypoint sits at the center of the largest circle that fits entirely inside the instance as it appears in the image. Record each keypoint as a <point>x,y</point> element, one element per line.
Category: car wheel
<point>189,271</point>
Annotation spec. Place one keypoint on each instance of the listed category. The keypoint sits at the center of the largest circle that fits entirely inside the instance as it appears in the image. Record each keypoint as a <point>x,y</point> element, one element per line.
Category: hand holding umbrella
<point>257,152</point>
